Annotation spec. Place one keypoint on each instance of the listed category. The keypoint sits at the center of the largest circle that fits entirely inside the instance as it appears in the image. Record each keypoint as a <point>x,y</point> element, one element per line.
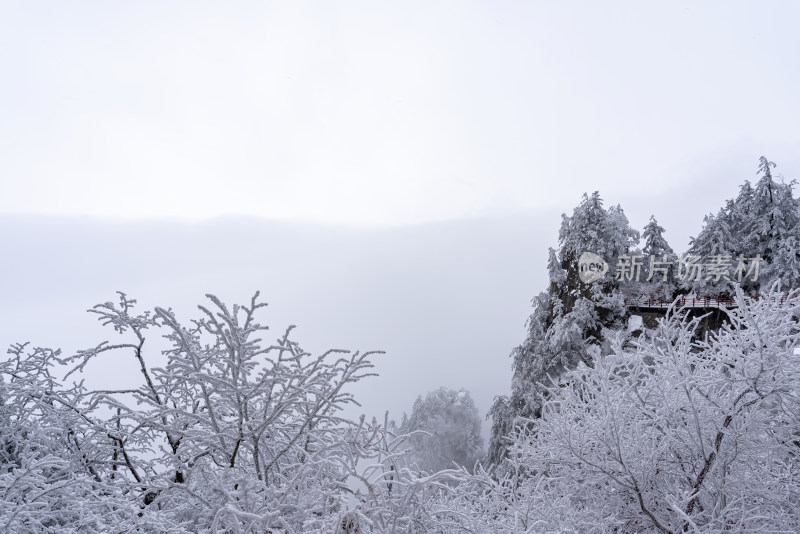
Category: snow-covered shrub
<point>232,434</point>
<point>674,435</point>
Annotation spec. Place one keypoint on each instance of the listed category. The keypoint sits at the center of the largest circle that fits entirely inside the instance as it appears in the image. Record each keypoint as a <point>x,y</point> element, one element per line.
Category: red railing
<point>695,302</point>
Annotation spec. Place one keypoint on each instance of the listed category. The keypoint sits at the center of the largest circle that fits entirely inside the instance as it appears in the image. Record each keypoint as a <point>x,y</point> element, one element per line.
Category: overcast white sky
<point>379,112</point>
<point>369,115</point>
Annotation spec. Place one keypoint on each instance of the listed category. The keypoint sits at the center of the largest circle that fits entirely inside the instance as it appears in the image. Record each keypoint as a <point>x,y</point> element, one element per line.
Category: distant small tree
<point>444,428</point>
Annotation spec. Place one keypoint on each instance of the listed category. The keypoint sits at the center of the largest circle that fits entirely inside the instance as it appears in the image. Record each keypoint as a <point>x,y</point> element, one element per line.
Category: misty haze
<point>399,267</point>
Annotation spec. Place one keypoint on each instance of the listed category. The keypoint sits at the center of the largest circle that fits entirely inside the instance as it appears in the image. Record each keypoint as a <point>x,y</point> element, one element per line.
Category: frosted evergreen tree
<point>773,225</point>
<point>654,242</point>
<point>716,237</point>
<point>659,282</point>
<point>569,320</point>
<point>762,222</point>
<point>444,429</point>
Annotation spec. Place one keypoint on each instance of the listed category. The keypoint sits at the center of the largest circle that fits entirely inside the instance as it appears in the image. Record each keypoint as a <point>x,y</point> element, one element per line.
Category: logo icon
<point>591,267</point>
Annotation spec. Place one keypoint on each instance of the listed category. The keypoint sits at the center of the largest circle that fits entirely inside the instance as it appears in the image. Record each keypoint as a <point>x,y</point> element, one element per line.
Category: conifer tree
<point>569,319</point>
<point>659,282</point>
<point>654,242</point>
<point>761,222</point>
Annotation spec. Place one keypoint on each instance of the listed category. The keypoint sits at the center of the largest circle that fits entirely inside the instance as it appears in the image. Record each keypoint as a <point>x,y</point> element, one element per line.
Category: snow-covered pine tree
<point>721,236</point>
<point>569,319</point>
<point>659,284</point>
<point>761,222</point>
<point>773,226</point>
<point>654,242</point>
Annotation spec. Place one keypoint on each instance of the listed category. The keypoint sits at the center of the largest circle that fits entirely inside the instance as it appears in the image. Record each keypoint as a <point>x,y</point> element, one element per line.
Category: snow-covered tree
<point>223,432</point>
<point>569,320</point>
<point>444,430</point>
<point>670,435</point>
<point>683,435</point>
<point>654,242</point>
<point>720,233</point>
<point>229,434</point>
<point>659,282</point>
<point>54,465</point>
<point>763,221</point>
